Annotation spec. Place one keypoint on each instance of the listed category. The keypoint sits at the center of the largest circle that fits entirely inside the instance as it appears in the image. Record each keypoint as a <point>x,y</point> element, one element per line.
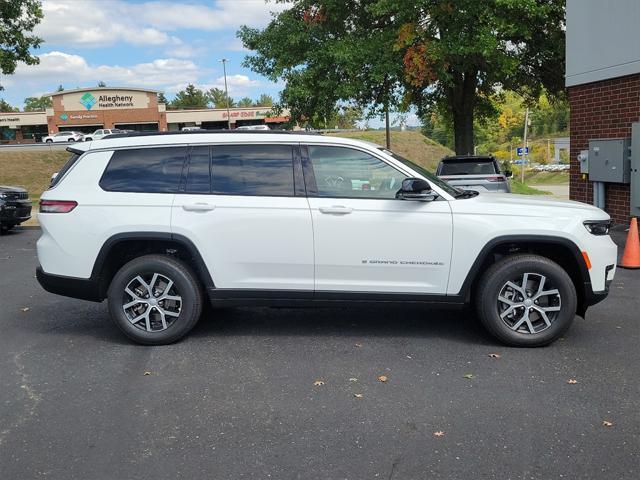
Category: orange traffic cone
<point>631,255</point>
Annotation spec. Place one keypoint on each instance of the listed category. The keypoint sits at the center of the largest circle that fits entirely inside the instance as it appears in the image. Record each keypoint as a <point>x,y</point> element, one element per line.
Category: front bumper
<point>15,212</point>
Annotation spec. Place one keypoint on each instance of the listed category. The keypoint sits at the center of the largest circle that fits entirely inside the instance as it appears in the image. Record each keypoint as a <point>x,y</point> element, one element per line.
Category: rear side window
<point>470,167</point>
<point>149,170</point>
<point>199,173</point>
<point>252,170</point>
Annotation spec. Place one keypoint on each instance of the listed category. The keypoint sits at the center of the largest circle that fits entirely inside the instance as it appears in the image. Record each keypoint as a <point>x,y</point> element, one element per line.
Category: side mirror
<point>508,173</point>
<point>416,189</point>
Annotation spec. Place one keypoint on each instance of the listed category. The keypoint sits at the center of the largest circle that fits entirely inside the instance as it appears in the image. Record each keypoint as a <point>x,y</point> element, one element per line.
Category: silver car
<point>472,172</point>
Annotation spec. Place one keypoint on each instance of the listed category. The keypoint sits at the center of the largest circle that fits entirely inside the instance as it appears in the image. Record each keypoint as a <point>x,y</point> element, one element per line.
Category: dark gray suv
<point>473,172</point>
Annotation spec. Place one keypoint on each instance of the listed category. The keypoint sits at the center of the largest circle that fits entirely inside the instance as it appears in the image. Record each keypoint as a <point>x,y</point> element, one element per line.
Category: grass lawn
<point>30,170</point>
<point>546,178</point>
<point>518,187</point>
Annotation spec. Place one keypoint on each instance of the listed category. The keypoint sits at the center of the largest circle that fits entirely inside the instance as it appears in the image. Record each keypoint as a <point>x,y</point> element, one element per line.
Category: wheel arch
<point>123,247</point>
<point>561,250</point>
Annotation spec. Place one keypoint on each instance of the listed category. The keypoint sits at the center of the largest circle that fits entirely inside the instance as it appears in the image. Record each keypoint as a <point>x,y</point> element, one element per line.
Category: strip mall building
<point>90,109</point>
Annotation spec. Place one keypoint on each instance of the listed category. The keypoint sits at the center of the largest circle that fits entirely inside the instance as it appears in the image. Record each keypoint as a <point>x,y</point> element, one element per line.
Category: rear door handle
<point>198,207</point>
<point>336,210</point>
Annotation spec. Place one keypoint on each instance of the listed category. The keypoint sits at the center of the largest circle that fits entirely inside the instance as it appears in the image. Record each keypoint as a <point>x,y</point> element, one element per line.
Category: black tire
<point>71,140</point>
<point>4,227</point>
<point>48,141</point>
<point>87,139</point>
<point>559,309</point>
<point>185,285</point>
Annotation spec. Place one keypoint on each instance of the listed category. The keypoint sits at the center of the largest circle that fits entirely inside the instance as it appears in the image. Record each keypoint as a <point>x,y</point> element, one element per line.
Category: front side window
<point>346,172</point>
<point>252,170</point>
<point>149,170</point>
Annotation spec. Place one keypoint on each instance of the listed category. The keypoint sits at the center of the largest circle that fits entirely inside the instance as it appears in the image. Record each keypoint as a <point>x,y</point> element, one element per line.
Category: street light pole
<point>524,145</point>
<point>226,91</point>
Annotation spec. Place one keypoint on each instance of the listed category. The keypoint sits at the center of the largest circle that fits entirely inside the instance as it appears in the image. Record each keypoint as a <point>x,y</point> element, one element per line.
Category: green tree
<point>60,88</point>
<point>265,100</point>
<point>218,98</point>
<point>37,104</point>
<point>162,99</point>
<point>5,107</point>
<point>446,57</point>
<point>190,97</point>
<point>329,53</point>
<point>17,20</point>
<point>245,102</point>
<point>101,84</point>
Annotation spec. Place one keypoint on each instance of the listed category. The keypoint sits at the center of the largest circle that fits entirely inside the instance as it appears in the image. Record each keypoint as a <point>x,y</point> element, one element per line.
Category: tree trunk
<point>462,102</point>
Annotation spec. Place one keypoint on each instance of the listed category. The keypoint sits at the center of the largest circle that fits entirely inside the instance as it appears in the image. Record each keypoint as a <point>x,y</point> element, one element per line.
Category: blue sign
<point>519,151</point>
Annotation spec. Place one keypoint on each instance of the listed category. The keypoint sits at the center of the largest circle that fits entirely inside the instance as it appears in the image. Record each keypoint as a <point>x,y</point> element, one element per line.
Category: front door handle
<point>198,207</point>
<point>336,210</point>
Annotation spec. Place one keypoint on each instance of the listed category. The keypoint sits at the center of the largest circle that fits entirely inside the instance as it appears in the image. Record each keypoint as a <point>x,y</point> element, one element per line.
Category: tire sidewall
<point>185,283</point>
<point>488,305</point>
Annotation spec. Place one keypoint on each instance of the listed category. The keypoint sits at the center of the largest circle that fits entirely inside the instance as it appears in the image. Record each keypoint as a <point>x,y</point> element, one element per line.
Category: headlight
<point>598,227</point>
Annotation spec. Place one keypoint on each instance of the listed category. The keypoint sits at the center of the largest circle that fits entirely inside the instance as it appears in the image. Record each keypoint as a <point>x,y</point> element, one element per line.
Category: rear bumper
<point>82,288</point>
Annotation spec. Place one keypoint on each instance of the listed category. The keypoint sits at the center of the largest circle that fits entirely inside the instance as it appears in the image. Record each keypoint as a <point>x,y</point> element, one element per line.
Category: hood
<point>529,205</point>
<point>6,188</point>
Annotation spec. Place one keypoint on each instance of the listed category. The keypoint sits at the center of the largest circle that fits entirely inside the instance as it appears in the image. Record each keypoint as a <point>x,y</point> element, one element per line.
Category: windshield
<point>453,191</point>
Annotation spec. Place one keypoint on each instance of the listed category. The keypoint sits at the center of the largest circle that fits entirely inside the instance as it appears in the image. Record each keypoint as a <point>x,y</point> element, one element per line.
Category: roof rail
<point>200,132</point>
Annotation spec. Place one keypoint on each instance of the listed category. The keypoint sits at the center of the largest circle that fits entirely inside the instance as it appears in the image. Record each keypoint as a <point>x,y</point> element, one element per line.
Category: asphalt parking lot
<point>237,399</point>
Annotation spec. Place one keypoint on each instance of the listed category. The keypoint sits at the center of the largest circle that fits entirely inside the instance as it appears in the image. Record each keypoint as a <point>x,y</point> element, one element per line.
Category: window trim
<point>310,177</point>
<point>299,187</point>
<point>113,151</point>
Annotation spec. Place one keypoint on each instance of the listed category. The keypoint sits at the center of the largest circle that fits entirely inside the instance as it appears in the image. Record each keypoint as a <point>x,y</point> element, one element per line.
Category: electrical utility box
<point>609,160</point>
<point>583,158</point>
<point>635,170</point>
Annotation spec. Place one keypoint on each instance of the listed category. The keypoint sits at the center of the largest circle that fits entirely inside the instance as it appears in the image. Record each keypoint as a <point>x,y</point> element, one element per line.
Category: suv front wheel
<point>526,300</point>
<point>155,299</point>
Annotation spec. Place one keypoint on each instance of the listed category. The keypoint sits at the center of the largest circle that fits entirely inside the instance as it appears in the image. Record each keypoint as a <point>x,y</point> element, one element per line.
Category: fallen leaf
<point>24,309</point>
<point>358,345</point>
<point>382,378</point>
<point>439,433</point>
<point>318,383</point>
<point>572,381</point>
<point>147,373</point>
<point>358,395</point>
<point>494,355</point>
<point>353,379</point>
<point>607,423</point>
<point>468,376</point>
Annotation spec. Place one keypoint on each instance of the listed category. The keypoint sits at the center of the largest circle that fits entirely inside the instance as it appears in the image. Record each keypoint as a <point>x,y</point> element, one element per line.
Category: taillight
<point>495,179</point>
<point>57,206</point>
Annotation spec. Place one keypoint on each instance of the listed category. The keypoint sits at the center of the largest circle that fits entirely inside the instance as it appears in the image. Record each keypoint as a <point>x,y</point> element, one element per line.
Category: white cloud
<point>69,69</point>
<point>238,85</point>
<point>99,23</point>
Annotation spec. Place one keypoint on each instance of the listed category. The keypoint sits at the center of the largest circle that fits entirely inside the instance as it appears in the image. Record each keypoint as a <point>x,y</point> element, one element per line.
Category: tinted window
<point>152,170</point>
<point>252,170</point>
<point>199,175</point>
<point>345,172</point>
<point>468,167</point>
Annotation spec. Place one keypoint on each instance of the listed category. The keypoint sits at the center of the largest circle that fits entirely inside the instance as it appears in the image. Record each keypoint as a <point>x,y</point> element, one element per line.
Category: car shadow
<point>384,320</point>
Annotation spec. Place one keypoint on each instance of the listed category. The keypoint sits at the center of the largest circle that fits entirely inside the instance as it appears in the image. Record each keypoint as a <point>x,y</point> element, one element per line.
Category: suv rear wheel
<point>526,300</point>
<point>155,299</point>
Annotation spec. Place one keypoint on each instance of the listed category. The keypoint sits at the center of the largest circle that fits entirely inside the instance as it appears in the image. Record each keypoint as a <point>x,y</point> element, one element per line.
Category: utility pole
<point>548,150</point>
<point>226,92</point>
<point>524,145</point>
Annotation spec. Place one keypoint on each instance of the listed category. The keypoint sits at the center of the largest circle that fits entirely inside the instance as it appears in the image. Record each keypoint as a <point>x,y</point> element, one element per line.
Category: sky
<point>162,45</point>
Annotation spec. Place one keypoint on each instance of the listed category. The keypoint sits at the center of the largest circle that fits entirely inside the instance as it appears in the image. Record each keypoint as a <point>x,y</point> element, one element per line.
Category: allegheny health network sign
<point>105,100</point>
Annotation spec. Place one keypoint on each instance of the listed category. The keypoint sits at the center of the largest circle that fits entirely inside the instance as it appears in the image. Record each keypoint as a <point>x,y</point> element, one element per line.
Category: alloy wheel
<point>529,304</point>
<point>152,302</point>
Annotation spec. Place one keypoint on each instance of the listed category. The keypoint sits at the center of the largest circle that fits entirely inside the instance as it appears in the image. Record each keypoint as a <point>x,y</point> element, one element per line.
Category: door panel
<point>365,239</point>
<point>247,239</point>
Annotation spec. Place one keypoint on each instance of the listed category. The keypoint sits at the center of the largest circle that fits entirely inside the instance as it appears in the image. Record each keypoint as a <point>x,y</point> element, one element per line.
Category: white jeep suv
<point>159,223</point>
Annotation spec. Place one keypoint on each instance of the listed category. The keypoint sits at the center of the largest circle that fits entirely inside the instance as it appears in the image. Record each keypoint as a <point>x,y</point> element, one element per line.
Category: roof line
<point>93,89</point>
